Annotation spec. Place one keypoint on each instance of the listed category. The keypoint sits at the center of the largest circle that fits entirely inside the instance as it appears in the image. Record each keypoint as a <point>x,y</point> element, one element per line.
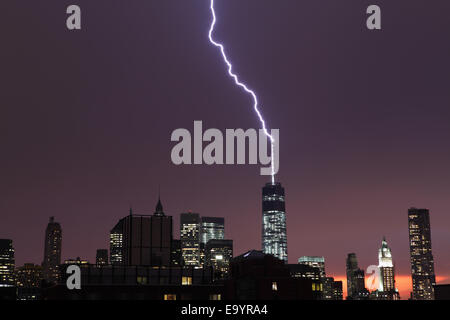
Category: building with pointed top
<point>386,286</point>
<point>142,240</point>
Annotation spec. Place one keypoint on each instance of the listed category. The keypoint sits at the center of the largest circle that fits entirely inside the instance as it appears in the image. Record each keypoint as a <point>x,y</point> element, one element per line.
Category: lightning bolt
<point>242,85</point>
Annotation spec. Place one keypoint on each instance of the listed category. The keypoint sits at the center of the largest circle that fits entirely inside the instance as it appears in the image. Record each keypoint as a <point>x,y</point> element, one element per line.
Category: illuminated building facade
<point>28,281</point>
<point>387,273</point>
<point>52,251</point>
<point>7,263</point>
<point>190,238</point>
<point>218,255</point>
<point>314,261</point>
<point>422,263</point>
<point>77,261</point>
<point>274,237</point>
<point>212,228</point>
<point>116,243</point>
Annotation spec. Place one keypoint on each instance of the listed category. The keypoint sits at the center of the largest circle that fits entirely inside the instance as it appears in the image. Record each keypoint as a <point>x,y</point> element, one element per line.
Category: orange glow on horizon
<point>402,282</point>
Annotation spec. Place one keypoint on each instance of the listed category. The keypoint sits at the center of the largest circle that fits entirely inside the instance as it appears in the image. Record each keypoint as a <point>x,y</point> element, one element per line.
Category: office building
<point>52,251</point>
<point>7,263</point>
<point>28,282</point>
<point>190,238</point>
<point>212,228</point>
<point>314,261</point>
<point>421,257</point>
<point>274,236</point>
<point>218,255</point>
<point>142,240</point>
<point>332,290</point>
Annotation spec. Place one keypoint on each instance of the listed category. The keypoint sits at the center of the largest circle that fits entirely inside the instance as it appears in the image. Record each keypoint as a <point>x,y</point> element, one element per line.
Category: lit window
<point>141,280</point>
<point>274,286</point>
<point>186,281</point>
<point>170,296</point>
<point>215,296</point>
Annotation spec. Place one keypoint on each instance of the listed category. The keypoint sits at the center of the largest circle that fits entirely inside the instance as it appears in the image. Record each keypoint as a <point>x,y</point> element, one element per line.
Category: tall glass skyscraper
<point>274,238</point>
<point>212,228</point>
<point>422,263</point>
<point>52,251</point>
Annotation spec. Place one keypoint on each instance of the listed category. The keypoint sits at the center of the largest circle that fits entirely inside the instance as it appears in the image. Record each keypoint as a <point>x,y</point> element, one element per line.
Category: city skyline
<point>385,258</point>
<point>363,121</point>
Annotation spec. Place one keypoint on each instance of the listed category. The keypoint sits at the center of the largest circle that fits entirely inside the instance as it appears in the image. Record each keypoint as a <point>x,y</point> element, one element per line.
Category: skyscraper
<point>356,288</point>
<point>386,266</point>
<point>116,243</point>
<point>190,238</point>
<point>422,264</point>
<point>212,228</point>
<point>274,238</point>
<point>52,251</point>
<point>7,263</point>
<point>142,240</point>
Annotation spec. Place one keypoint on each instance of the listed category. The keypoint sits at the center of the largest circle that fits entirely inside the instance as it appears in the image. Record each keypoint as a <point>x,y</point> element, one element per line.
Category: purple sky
<point>86,119</point>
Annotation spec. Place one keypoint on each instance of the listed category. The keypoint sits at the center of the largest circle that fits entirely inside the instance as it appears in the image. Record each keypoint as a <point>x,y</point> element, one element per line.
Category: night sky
<point>86,118</point>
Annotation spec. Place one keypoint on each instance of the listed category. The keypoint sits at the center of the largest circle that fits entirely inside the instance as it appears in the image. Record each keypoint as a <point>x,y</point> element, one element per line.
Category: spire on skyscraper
<point>159,208</point>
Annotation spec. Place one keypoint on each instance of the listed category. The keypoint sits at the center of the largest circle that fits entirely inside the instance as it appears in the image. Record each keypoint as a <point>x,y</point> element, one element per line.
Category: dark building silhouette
<point>190,238</point>
<point>253,275</point>
<point>7,263</point>
<point>142,240</point>
<point>28,282</point>
<point>274,236</point>
<point>442,292</point>
<point>52,251</point>
<point>356,288</point>
<point>101,257</point>
<point>115,282</point>
<point>177,259</point>
<point>307,271</point>
<point>258,276</point>
<point>422,263</point>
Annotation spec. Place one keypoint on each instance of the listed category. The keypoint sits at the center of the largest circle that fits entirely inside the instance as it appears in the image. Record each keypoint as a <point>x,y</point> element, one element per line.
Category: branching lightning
<point>242,85</point>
